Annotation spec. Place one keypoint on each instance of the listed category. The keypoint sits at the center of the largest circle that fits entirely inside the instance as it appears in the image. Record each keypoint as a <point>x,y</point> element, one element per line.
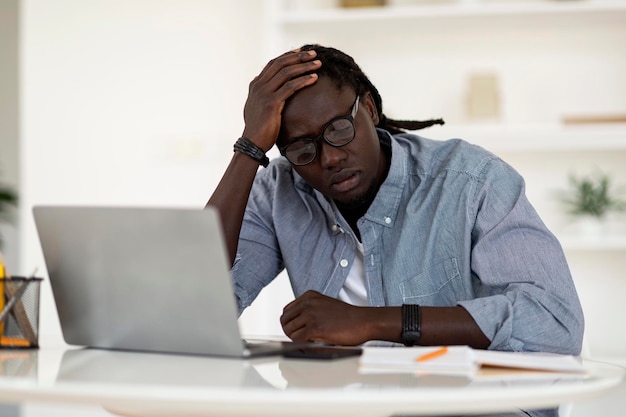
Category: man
<point>385,235</point>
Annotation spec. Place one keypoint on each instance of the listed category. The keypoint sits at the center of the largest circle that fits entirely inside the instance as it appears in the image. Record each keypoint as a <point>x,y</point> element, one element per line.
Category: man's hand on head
<point>267,93</point>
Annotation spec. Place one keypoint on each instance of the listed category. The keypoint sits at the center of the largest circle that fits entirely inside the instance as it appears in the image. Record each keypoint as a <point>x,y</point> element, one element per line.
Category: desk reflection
<point>345,373</point>
<point>274,373</point>
<point>119,367</point>
<point>18,363</point>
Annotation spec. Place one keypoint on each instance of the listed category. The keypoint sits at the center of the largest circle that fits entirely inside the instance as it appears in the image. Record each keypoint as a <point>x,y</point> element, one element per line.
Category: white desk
<point>137,384</point>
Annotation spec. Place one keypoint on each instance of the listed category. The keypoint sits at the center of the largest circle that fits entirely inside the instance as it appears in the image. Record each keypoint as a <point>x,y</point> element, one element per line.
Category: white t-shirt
<point>354,291</point>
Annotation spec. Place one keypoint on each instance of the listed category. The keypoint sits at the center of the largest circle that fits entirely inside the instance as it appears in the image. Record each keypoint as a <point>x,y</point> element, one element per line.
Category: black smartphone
<point>322,352</point>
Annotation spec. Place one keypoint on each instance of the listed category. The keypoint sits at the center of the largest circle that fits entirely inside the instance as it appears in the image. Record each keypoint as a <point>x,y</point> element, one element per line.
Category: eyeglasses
<point>338,132</point>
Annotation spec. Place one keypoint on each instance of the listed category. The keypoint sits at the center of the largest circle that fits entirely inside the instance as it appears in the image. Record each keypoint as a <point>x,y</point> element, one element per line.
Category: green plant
<point>8,198</point>
<point>591,195</point>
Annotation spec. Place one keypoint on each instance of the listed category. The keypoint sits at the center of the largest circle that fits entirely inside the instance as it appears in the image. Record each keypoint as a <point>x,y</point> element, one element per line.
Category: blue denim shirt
<point>450,225</point>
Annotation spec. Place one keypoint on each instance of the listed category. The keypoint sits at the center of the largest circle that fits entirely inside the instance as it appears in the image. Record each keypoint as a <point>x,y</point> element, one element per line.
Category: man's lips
<point>344,181</point>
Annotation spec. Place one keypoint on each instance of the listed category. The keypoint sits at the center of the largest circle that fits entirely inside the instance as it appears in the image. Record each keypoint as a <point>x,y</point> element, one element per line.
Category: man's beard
<point>359,203</point>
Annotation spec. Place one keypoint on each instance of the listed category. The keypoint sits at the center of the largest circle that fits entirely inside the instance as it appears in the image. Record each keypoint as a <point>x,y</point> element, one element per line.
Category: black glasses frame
<point>315,141</point>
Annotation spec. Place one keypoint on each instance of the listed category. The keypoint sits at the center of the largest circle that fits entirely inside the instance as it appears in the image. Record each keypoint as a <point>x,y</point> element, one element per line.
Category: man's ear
<point>371,108</point>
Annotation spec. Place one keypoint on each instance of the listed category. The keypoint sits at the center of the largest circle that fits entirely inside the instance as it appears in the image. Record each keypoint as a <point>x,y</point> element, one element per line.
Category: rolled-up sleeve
<point>258,260</point>
<point>526,300</point>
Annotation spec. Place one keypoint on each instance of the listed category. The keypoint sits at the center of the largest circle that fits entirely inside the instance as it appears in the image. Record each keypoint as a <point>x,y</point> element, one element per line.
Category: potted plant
<point>591,198</point>
<point>8,199</point>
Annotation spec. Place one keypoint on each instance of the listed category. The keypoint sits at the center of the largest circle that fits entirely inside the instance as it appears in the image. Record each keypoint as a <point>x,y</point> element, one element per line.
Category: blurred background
<point>138,102</point>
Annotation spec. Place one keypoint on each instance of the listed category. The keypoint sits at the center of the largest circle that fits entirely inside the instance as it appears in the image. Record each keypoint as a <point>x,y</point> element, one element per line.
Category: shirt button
<point>343,263</point>
<point>388,220</point>
<point>334,227</point>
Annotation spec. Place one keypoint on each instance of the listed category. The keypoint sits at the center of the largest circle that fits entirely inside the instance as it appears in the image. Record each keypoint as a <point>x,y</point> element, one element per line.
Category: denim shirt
<point>450,225</point>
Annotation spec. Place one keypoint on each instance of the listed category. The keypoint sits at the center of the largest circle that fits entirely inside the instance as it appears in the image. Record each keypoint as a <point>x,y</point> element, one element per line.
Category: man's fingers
<point>291,86</point>
<point>292,325</point>
<point>304,319</point>
<point>286,81</point>
<point>285,60</point>
<point>281,73</point>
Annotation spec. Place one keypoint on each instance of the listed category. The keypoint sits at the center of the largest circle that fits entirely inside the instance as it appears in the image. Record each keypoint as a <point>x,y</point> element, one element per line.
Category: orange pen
<point>431,355</point>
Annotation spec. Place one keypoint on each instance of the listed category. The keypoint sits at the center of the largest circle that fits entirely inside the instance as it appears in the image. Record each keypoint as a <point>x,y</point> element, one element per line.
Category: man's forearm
<point>439,326</point>
<point>231,196</point>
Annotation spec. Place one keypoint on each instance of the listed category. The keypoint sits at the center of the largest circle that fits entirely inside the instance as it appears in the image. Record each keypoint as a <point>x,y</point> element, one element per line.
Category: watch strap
<point>411,324</point>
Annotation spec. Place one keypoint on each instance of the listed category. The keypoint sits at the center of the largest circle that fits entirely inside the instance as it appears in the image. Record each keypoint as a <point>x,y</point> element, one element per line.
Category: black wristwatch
<point>411,329</point>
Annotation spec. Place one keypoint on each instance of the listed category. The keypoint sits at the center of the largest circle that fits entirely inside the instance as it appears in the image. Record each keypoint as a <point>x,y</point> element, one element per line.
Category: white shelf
<point>593,243</point>
<point>539,137</point>
<point>475,8</point>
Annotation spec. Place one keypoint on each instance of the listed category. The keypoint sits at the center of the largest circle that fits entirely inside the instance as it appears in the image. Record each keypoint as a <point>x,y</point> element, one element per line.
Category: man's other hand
<point>314,317</point>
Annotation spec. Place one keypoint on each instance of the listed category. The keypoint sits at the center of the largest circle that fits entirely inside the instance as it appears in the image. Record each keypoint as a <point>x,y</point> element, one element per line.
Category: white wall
<point>130,102</point>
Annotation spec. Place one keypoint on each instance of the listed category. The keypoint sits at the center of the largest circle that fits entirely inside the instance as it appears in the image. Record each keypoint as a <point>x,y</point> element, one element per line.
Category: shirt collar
<point>384,208</point>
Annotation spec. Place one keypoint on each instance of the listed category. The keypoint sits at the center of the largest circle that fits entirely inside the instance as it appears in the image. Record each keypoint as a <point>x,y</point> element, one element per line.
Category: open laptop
<point>147,279</point>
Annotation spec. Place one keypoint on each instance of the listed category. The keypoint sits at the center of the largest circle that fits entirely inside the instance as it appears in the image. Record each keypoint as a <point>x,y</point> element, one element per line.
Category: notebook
<point>146,279</point>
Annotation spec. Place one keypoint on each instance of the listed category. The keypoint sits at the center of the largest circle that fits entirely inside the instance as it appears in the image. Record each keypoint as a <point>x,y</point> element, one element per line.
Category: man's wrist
<point>382,323</point>
<point>247,147</point>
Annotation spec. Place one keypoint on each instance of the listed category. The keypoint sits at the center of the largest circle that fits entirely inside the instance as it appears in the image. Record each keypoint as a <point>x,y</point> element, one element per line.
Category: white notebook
<point>461,360</point>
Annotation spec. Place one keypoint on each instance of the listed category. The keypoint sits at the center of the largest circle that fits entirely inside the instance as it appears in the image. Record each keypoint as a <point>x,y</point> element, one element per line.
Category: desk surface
<point>141,384</point>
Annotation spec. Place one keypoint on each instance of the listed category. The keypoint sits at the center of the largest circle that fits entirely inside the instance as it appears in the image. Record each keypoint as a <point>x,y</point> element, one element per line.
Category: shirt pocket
<point>437,285</point>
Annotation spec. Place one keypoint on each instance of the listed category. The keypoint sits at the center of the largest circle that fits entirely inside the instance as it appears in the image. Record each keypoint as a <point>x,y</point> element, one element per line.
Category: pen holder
<point>19,312</point>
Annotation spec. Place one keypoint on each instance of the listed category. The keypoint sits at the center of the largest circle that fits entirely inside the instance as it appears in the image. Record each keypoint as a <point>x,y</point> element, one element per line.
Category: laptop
<point>145,279</point>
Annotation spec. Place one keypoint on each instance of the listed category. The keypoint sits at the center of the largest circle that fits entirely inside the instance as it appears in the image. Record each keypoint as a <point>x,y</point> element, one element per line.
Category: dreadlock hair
<point>343,70</point>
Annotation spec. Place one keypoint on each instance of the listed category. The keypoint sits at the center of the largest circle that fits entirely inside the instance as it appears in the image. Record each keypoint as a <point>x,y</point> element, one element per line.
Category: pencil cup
<point>19,312</point>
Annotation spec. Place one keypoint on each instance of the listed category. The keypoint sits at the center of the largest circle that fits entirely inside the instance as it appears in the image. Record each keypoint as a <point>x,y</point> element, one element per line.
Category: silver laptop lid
<point>151,279</point>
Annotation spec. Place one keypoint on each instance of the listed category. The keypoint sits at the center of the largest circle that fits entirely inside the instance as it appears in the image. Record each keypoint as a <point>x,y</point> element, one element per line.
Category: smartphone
<point>322,352</point>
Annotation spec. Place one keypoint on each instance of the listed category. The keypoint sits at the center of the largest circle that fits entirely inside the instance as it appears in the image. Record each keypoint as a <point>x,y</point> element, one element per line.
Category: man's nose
<point>330,156</point>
